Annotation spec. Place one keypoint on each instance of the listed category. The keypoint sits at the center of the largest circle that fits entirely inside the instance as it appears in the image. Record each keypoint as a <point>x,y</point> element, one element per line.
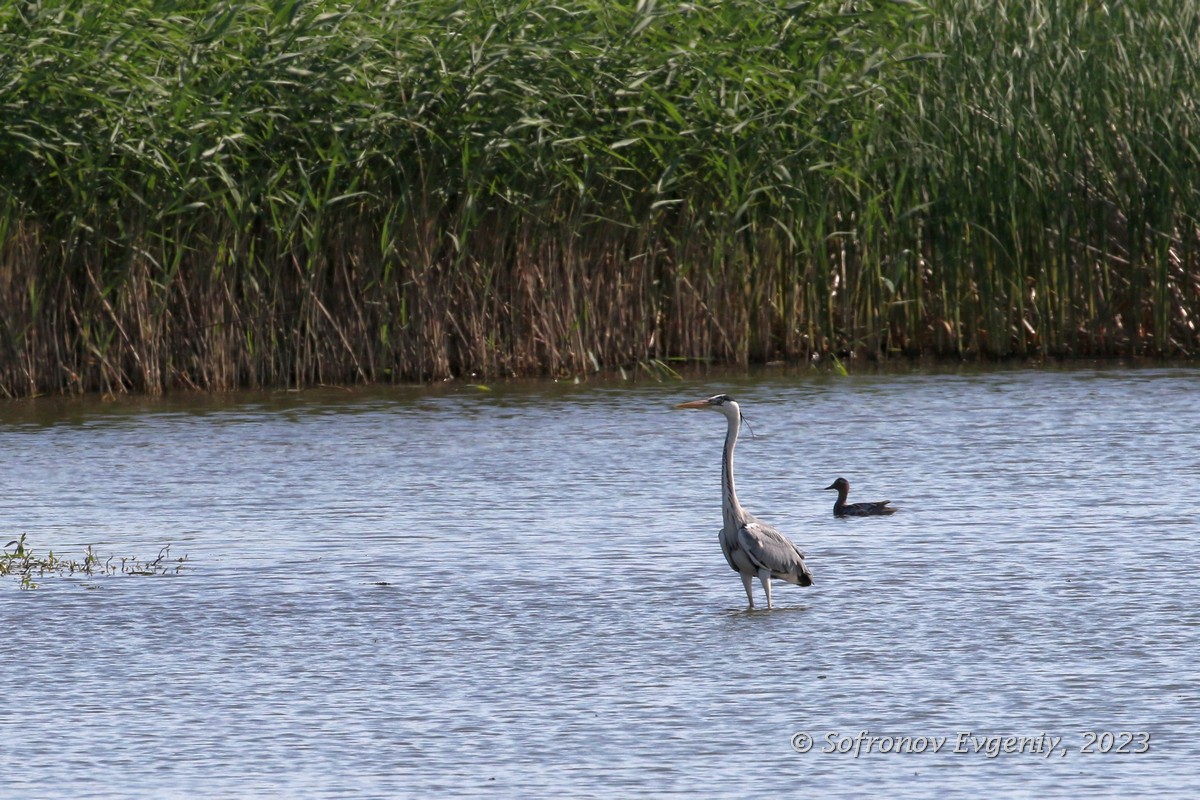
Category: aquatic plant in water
<point>22,561</point>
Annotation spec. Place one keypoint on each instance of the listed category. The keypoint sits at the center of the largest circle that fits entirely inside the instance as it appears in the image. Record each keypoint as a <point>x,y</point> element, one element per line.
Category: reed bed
<point>276,193</point>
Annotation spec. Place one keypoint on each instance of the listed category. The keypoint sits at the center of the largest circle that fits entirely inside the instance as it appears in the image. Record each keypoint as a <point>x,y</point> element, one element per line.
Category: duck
<point>843,509</point>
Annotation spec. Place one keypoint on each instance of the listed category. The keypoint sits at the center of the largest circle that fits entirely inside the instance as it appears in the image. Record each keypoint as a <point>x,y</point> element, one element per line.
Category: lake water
<point>520,592</point>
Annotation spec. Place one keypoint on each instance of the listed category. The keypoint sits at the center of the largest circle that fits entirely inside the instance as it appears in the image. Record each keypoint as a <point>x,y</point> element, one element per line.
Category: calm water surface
<point>520,591</point>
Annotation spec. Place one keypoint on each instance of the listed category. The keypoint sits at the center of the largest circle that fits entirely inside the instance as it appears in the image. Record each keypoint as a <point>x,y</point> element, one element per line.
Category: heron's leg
<point>749,591</point>
<point>764,575</point>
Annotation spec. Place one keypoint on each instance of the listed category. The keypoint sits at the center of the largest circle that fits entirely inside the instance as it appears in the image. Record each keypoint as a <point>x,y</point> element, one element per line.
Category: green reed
<point>1065,132</point>
<point>286,193</point>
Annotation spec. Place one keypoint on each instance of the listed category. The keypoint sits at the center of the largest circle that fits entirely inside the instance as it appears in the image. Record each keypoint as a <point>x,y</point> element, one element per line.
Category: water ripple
<point>396,593</point>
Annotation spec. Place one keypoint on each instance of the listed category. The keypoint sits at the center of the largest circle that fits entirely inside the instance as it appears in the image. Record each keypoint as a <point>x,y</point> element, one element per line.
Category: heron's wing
<point>769,548</point>
<point>727,545</point>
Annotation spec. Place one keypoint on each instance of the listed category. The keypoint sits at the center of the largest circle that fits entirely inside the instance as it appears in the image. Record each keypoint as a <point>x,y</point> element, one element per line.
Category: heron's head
<point>722,403</point>
<point>718,402</point>
<point>841,484</point>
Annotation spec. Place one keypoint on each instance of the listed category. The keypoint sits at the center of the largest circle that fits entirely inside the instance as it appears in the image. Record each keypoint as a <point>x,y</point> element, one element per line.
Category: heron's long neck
<point>730,504</point>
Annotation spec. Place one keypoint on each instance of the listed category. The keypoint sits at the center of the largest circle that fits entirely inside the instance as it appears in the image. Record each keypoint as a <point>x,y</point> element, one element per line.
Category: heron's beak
<point>694,404</point>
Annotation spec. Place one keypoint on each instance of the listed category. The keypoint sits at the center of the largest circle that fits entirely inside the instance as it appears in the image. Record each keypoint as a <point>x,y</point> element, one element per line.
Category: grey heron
<point>752,548</point>
<point>843,509</point>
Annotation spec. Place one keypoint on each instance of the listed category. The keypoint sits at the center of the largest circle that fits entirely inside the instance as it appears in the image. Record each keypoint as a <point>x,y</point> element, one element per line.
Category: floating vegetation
<point>23,562</point>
